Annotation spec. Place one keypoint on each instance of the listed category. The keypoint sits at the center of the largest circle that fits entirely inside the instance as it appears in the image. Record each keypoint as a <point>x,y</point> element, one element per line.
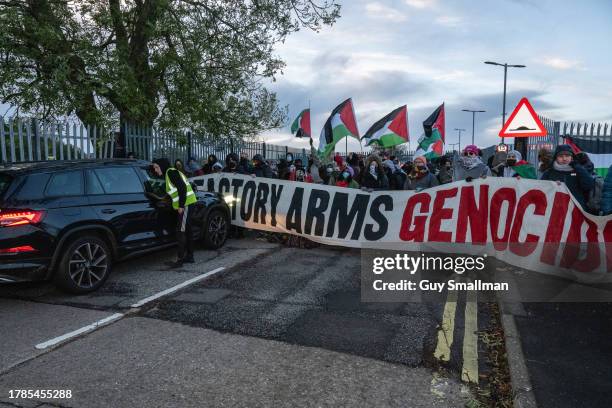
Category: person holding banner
<point>470,165</point>
<point>261,168</point>
<point>374,177</point>
<point>420,178</point>
<point>565,169</point>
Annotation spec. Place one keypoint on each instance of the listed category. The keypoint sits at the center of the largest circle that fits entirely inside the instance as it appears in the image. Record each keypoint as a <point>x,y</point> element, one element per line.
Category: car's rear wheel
<point>216,229</point>
<point>85,265</point>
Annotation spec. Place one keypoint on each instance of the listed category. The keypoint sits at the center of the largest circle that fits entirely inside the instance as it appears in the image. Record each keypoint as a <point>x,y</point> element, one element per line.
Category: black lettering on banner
<point>246,210</point>
<point>260,203</point>
<point>274,199</point>
<point>317,205</point>
<point>211,184</point>
<point>383,223</point>
<point>294,215</point>
<point>345,219</point>
<point>236,183</point>
<point>224,186</point>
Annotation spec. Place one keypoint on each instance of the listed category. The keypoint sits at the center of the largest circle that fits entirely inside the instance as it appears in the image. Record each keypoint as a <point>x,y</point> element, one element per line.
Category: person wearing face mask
<point>231,163</point>
<point>566,170</point>
<point>261,168</point>
<point>470,165</point>
<point>420,177</point>
<point>374,176</point>
<point>345,179</point>
<point>515,166</point>
<point>445,175</point>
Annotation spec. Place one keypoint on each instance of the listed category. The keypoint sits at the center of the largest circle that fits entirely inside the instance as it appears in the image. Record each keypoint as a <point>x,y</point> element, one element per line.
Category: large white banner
<point>532,224</point>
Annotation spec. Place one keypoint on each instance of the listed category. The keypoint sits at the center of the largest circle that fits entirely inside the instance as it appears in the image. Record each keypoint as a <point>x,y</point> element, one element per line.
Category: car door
<point>117,195</point>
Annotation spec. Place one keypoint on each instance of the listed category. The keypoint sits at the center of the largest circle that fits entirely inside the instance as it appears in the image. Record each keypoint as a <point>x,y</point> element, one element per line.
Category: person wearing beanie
<point>566,170</point>
<point>182,195</point>
<point>470,165</point>
<point>420,177</point>
<point>374,176</point>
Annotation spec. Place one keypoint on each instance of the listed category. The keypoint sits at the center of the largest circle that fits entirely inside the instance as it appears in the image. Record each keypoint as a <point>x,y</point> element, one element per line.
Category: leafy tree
<point>177,63</point>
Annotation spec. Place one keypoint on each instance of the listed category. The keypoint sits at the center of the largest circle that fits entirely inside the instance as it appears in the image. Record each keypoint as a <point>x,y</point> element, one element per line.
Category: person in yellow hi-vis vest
<point>182,195</point>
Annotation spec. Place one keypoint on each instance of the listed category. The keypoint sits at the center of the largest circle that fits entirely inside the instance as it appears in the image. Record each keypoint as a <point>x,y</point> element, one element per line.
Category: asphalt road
<point>277,326</point>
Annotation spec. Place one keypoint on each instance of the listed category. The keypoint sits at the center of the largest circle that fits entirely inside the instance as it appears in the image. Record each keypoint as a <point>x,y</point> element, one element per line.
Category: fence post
<point>188,144</point>
<point>263,149</point>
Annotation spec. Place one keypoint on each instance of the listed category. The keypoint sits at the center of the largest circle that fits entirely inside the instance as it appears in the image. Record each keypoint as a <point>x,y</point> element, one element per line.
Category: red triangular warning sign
<point>523,122</point>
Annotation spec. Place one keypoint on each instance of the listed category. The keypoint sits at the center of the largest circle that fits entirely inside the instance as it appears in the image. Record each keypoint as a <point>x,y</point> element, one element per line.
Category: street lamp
<point>459,130</point>
<point>506,65</point>
<point>473,119</point>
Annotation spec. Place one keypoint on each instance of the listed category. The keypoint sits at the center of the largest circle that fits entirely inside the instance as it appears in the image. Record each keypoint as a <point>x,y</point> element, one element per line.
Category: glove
<point>469,178</point>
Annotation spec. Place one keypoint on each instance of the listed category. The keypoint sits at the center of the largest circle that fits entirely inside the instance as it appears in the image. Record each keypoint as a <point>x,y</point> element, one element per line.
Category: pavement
<point>271,326</point>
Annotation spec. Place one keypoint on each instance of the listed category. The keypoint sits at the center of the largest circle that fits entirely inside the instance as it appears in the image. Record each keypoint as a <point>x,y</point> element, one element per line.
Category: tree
<point>177,63</point>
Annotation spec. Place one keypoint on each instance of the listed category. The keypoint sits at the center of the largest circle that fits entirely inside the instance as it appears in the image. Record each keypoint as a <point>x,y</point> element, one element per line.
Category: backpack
<point>594,199</point>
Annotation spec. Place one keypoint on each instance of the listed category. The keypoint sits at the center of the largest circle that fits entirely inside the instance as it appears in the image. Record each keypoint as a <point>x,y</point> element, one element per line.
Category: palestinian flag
<point>525,170</point>
<point>599,151</point>
<point>431,144</point>
<point>391,130</point>
<point>341,123</point>
<point>301,124</point>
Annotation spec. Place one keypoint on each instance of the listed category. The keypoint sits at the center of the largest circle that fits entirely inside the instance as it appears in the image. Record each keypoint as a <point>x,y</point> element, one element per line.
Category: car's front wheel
<point>85,265</point>
<point>216,229</point>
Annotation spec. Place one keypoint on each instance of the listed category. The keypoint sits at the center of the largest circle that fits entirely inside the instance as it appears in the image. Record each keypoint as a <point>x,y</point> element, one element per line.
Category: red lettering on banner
<point>556,222</point>
<point>440,213</point>
<point>571,251</point>
<point>607,233</point>
<point>501,195</point>
<point>537,199</point>
<point>477,216</point>
<point>417,234</point>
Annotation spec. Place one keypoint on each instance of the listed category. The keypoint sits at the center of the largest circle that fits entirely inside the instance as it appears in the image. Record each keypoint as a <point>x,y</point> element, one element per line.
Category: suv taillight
<point>11,218</point>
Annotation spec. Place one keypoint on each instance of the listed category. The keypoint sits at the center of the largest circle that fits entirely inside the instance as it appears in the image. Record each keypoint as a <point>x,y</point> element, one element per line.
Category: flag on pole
<point>341,123</point>
<point>392,130</point>
<point>301,124</point>
<point>431,144</point>
<point>599,152</point>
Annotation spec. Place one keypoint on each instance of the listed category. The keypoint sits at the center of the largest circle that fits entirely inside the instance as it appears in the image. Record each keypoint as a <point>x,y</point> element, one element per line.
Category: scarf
<point>373,172</point>
<point>470,162</point>
<point>562,167</point>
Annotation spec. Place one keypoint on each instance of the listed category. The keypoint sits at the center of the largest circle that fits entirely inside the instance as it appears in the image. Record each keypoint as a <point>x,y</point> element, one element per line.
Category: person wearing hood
<point>395,174</point>
<point>566,170</point>
<point>374,176</point>
<point>583,159</point>
<point>244,166</point>
<point>470,165</point>
<point>231,163</point>
<point>544,161</point>
<point>515,166</point>
<point>420,177</point>
<point>207,168</point>
<point>193,167</point>
<point>182,195</point>
<point>261,168</point>
<point>445,175</point>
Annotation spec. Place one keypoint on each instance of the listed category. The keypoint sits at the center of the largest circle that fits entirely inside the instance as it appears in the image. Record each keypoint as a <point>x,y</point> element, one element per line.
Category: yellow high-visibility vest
<point>172,191</point>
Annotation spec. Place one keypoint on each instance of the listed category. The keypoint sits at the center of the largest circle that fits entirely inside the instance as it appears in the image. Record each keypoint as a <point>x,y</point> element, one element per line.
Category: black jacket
<point>263,170</point>
<point>379,183</point>
<point>177,181</point>
<point>578,181</point>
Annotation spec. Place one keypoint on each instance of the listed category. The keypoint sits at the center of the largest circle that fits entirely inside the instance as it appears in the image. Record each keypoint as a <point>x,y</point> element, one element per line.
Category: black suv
<point>70,220</point>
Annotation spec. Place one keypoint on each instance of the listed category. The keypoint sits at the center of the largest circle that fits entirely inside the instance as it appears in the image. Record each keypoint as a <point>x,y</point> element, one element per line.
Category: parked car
<point>69,221</point>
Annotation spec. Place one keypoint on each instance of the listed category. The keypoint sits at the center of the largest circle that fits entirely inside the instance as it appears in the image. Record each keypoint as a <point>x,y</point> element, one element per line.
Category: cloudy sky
<point>421,53</point>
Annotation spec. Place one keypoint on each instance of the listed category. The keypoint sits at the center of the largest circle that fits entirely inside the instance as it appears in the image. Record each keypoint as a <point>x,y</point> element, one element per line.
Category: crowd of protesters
<point>384,171</point>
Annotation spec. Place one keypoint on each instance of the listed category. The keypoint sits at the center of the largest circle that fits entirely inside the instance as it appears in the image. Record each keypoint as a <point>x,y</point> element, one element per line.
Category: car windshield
<point>5,182</point>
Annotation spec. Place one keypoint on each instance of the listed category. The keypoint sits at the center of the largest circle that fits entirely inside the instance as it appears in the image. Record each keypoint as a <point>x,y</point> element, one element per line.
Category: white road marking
<point>177,287</point>
<point>85,329</point>
<point>114,317</point>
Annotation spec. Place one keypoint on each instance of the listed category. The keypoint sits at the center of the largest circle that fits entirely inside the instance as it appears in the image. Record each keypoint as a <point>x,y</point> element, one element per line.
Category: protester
<point>207,168</point>
<point>193,167</point>
<point>261,168</point>
<point>178,164</point>
<point>420,178</point>
<point>565,169</point>
<point>445,175</point>
<point>297,172</point>
<point>470,165</point>
<point>231,163</point>
<point>374,177</point>
<point>544,161</point>
<point>313,170</point>
<point>353,161</point>
<point>217,167</point>
<point>515,166</point>
<point>582,158</point>
<point>244,166</point>
<point>606,195</point>
<point>346,180</point>
<point>182,196</point>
